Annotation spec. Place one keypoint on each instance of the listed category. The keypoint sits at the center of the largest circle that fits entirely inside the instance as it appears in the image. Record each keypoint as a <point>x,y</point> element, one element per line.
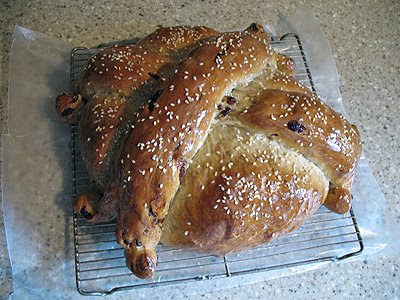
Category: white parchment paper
<point>37,183</point>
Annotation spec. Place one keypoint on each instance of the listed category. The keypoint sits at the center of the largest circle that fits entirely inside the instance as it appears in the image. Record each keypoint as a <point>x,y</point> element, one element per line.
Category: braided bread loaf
<point>205,141</point>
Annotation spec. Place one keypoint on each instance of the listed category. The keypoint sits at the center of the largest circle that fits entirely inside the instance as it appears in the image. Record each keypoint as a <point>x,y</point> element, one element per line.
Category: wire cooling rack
<point>99,260</point>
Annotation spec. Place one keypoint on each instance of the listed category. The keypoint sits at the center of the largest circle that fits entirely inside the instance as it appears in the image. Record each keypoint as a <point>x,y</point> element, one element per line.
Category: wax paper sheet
<point>37,183</point>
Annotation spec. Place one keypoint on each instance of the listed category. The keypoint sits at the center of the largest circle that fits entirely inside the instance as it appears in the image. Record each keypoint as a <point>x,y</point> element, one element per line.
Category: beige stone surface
<point>364,37</point>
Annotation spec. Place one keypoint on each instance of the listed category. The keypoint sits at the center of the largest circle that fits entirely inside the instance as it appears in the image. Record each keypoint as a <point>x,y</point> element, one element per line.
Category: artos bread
<point>204,140</point>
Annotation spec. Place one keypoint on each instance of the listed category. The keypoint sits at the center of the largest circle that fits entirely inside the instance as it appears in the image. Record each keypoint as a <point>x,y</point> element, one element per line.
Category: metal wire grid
<point>99,260</point>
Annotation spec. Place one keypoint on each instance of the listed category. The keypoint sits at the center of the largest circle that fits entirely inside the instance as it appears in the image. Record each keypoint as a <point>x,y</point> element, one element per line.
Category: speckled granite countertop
<point>364,37</point>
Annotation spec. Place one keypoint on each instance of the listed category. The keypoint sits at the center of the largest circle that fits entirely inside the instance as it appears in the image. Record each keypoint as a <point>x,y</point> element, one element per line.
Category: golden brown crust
<point>285,64</point>
<point>312,128</point>
<point>100,126</point>
<point>176,42</point>
<point>241,191</point>
<point>119,69</point>
<point>258,108</point>
<point>167,137</point>
<point>339,199</point>
<point>281,82</point>
<point>304,123</point>
<point>112,75</point>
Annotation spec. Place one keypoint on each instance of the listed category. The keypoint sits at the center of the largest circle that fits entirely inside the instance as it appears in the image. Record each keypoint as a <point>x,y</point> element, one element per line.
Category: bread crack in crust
<point>204,140</point>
